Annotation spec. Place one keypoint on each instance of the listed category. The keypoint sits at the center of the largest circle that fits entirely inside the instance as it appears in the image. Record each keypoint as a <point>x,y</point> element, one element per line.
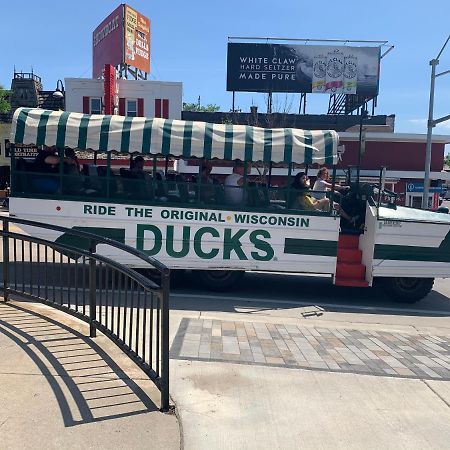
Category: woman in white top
<point>322,186</point>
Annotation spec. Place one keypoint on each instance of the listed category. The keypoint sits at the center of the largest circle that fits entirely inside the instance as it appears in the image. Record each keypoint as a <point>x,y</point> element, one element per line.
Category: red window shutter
<point>121,106</point>
<point>86,106</point>
<point>157,107</point>
<point>165,112</point>
<point>140,107</point>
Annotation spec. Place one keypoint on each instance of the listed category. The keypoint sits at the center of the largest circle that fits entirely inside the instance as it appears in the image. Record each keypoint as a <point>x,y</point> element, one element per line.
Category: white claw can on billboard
<point>335,72</point>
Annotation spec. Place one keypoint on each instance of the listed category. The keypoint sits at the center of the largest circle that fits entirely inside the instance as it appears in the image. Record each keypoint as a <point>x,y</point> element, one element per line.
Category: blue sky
<point>189,42</point>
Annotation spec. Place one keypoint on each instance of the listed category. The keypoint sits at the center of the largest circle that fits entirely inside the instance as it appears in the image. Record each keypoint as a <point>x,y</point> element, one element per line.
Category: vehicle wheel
<point>407,290</point>
<point>219,280</point>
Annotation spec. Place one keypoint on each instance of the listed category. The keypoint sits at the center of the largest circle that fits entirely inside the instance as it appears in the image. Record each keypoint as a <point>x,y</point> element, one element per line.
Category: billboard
<point>137,40</point>
<point>122,38</point>
<point>107,42</point>
<point>303,68</point>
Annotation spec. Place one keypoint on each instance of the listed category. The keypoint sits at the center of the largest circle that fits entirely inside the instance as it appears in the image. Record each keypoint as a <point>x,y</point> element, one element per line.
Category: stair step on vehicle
<point>353,271</point>
<point>349,255</point>
<point>348,241</point>
<point>351,282</point>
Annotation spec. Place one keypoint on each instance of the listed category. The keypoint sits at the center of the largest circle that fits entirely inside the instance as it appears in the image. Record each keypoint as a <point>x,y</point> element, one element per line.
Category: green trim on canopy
<point>173,137</point>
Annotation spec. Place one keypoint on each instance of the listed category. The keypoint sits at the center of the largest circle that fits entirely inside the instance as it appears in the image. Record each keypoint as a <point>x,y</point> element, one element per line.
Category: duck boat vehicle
<point>167,215</point>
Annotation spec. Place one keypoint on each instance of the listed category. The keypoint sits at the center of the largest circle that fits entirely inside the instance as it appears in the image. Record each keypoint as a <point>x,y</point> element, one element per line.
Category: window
<point>131,108</point>
<point>95,105</point>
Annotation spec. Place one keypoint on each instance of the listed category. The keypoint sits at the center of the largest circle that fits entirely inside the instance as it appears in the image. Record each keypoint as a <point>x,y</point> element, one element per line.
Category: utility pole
<point>431,124</point>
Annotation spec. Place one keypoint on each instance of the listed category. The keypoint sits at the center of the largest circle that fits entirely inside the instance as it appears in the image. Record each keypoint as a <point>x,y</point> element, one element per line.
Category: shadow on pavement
<point>291,291</point>
<point>88,385</point>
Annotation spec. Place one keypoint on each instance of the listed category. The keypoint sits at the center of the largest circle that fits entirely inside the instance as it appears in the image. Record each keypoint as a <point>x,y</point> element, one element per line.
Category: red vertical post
<point>109,85</point>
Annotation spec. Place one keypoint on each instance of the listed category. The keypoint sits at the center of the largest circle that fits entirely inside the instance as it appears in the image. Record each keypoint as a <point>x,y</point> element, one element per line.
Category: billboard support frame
<point>306,40</point>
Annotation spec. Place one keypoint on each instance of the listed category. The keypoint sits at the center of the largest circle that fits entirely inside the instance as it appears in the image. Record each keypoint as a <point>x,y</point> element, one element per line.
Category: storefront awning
<point>178,138</point>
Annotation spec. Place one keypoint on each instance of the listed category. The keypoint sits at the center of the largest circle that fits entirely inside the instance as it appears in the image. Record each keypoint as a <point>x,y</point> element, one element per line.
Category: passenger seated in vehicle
<point>136,182</point>
<point>300,195</point>
<point>73,183</point>
<point>205,183</point>
<point>47,162</point>
<point>234,184</point>
<point>322,185</point>
<point>137,166</point>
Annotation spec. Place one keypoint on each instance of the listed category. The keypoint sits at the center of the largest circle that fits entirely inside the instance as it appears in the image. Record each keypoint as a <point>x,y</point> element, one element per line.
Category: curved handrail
<point>98,239</point>
<point>143,303</point>
<point>144,281</point>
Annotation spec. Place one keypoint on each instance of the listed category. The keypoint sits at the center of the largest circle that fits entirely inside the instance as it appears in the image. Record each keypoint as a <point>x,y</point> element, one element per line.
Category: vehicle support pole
<point>5,259</point>
<point>92,292</point>
<point>165,341</point>
<point>430,125</point>
<point>333,187</point>
<point>379,193</point>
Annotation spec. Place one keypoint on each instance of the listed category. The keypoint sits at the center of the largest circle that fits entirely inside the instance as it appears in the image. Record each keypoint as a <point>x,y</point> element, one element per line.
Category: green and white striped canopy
<point>183,139</point>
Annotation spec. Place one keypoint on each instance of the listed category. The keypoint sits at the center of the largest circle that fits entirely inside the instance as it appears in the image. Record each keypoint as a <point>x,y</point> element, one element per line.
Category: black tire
<point>407,290</point>
<point>219,280</point>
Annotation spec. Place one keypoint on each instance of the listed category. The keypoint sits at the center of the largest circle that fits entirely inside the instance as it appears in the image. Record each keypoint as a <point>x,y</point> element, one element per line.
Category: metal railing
<point>129,308</point>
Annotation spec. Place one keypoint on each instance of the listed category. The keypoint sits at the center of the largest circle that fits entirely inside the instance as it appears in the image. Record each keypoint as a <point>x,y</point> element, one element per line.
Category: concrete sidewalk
<point>62,390</point>
<point>259,381</point>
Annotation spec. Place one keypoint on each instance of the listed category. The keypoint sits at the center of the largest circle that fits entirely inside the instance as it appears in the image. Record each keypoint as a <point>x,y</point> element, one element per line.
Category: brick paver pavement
<point>331,349</point>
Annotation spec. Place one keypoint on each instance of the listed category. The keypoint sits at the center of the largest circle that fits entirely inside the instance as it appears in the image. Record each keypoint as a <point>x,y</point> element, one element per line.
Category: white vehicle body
<point>395,242</point>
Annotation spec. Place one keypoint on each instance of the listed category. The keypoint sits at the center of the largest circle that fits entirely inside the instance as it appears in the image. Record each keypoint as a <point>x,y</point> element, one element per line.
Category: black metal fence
<point>128,307</point>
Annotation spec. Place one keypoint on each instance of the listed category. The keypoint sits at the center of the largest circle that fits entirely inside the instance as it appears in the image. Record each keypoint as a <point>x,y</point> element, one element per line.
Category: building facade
<point>135,98</point>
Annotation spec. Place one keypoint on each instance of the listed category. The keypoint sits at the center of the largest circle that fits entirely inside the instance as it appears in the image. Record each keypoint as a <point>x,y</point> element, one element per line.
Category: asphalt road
<point>318,291</point>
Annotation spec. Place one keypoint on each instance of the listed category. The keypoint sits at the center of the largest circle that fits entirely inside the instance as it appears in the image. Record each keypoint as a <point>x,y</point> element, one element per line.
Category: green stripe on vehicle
<point>310,247</point>
<point>267,145</point>
<point>207,140</point>
<point>308,148</point>
<point>228,148</point>
<point>61,130</point>
<point>328,148</point>
<point>187,139</point>
<point>288,145</point>
<point>104,133</point>
<point>82,132</point>
<point>20,127</point>
<point>147,136</point>
<point>42,128</point>
<point>167,131</point>
<point>248,155</point>
<point>126,129</point>
<point>116,234</point>
<point>414,253</point>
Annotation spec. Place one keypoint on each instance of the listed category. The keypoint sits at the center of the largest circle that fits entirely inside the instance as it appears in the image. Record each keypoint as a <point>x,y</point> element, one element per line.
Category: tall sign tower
<point>122,40</point>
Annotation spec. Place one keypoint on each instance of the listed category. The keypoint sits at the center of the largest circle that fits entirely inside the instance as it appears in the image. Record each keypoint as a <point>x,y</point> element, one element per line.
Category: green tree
<point>447,159</point>
<point>197,107</point>
<point>4,100</point>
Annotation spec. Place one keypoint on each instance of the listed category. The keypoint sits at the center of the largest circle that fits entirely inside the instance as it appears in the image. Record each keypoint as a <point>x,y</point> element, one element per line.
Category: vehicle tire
<point>219,280</point>
<point>407,290</point>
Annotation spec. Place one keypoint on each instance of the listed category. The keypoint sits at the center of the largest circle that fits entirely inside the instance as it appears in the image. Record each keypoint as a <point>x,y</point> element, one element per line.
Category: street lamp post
<point>430,125</point>
<point>59,93</point>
